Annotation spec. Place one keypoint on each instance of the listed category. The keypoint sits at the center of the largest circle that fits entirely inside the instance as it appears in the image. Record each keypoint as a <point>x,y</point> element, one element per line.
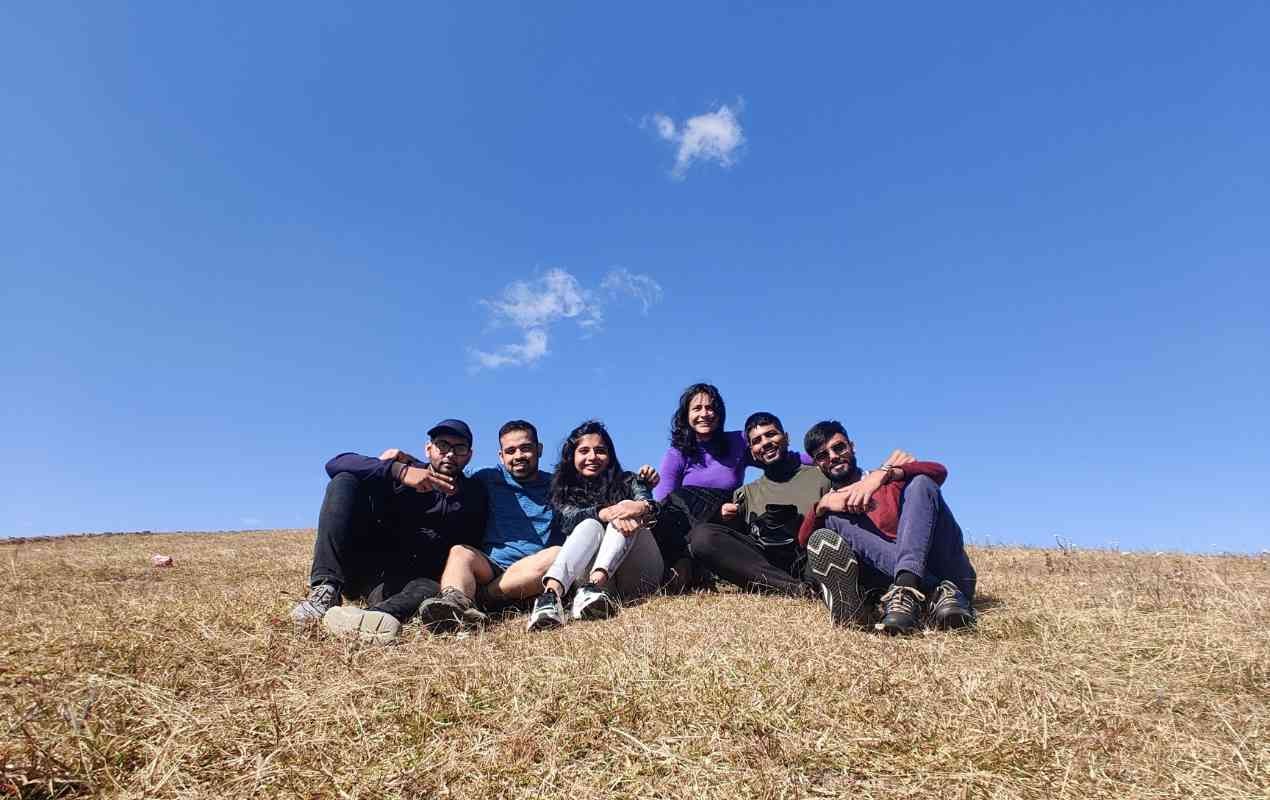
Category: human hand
<point>899,458</point>
<point>649,476</point>
<point>627,526</point>
<point>858,497</point>
<point>393,454</point>
<point>729,511</point>
<point>425,480</point>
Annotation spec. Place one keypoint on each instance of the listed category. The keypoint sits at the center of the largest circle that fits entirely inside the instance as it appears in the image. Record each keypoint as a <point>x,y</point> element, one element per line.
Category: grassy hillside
<point>1092,674</point>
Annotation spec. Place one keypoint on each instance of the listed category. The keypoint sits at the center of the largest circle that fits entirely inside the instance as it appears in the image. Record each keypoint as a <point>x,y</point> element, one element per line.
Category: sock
<point>906,578</point>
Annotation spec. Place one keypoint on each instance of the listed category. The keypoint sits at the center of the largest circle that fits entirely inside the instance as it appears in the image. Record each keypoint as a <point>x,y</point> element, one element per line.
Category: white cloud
<point>533,348</point>
<point>534,306</point>
<point>620,280</point>
<point>713,136</point>
<point>556,295</point>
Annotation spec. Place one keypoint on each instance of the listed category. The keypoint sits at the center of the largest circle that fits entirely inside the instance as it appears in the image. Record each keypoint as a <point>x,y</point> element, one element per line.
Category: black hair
<point>570,488</point>
<point>682,437</point>
<point>762,418</point>
<point>820,433</point>
<point>518,425</point>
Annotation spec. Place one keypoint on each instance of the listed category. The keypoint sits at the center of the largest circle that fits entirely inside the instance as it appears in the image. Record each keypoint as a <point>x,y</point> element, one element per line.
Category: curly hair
<point>570,488</point>
<point>682,437</point>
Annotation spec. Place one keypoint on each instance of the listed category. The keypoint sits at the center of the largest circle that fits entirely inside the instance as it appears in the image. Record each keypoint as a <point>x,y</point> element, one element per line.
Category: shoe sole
<point>372,627</point>
<point>839,583</point>
<point>543,624</point>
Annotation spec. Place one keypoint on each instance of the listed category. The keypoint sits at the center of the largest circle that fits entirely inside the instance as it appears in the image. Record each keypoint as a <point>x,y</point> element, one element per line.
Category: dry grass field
<point>1092,674</point>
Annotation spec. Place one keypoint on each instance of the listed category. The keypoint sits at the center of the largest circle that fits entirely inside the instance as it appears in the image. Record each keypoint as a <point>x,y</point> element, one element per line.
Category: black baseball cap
<point>455,426</point>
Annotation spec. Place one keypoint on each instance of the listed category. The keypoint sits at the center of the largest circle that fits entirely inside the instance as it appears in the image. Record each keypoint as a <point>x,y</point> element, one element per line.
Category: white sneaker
<point>372,627</point>
<point>548,612</point>
<point>592,602</point>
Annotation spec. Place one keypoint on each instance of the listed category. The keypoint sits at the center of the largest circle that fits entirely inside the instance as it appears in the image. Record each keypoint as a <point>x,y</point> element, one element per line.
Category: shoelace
<point>322,594</point>
<point>902,599</point>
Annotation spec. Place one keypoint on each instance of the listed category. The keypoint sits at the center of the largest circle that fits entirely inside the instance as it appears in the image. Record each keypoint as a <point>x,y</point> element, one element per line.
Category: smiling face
<point>703,417</point>
<point>592,456</point>
<point>836,458</point>
<point>519,453</point>
<point>449,454</point>
<point>768,444</point>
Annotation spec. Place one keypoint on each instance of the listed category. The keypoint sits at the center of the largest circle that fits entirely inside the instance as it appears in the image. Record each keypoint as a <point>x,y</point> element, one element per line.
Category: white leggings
<point>633,562</point>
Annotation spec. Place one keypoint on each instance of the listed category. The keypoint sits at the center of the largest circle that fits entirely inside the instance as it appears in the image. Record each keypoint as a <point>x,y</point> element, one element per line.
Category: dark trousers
<point>928,542</point>
<point>354,551</point>
<point>738,559</point>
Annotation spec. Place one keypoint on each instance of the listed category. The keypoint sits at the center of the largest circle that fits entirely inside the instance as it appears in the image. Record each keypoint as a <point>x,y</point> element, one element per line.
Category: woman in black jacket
<point>604,512</point>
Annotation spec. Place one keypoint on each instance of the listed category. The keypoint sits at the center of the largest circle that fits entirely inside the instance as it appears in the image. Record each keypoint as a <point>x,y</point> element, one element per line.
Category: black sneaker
<point>901,610</point>
<point>836,574</point>
<point>322,598</point>
<point>949,607</point>
<point>450,612</point>
<point>547,613</point>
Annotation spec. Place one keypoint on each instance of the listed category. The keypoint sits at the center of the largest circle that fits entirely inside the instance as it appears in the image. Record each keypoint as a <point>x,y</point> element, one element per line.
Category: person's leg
<point>638,571</point>
<point>573,562</point>
<point>343,548</point>
<point>402,599</point>
<point>465,570</point>
<point>947,559</point>
<point>929,541</point>
<point>522,579</point>
<point>738,561</point>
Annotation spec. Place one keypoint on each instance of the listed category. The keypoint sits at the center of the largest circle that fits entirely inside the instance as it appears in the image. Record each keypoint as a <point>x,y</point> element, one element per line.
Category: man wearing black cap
<point>385,529</point>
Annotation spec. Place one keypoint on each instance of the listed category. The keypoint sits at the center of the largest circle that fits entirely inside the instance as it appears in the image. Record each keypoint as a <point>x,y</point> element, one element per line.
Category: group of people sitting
<point>880,548</point>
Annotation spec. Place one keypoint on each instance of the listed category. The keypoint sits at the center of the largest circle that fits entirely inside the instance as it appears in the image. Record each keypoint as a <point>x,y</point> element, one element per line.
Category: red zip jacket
<point>886,501</point>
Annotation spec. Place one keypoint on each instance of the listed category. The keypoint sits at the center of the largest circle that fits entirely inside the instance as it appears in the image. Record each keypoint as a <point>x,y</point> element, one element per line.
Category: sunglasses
<point>841,448</point>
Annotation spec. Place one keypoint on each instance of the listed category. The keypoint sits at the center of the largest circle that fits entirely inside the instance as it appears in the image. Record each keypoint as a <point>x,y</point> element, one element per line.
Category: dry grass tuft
<point>1093,674</point>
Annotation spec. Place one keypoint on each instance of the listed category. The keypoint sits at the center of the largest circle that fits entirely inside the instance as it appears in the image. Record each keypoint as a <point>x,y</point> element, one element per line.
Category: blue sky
<point>1029,243</point>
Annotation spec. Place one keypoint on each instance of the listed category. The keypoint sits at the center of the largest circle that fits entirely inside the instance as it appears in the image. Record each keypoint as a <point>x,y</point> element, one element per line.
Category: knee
<point>344,484</point>
<point>702,541</point>
<point>922,486</point>
<point>460,554</point>
<point>589,527</point>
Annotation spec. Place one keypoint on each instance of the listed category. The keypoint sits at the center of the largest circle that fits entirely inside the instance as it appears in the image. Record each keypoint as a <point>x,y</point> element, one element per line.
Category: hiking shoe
<point>450,612</point>
<point>548,612</point>
<point>372,627</point>
<point>901,610</point>
<point>949,607</point>
<point>322,598</point>
<point>592,602</point>
<point>836,575</point>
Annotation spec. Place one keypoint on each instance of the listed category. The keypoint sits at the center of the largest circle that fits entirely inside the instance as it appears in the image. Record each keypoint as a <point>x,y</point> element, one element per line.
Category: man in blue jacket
<point>386,527</point>
<point>521,539</point>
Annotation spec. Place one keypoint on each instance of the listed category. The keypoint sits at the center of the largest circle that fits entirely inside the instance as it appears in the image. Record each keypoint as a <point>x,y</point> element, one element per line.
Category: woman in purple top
<point>701,453</point>
<point>703,467</point>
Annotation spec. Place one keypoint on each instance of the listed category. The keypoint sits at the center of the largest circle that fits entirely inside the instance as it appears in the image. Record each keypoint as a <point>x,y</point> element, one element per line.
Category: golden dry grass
<point>1093,674</point>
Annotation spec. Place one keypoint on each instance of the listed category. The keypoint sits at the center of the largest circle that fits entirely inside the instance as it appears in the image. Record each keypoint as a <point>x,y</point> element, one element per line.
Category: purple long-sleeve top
<point>722,466</point>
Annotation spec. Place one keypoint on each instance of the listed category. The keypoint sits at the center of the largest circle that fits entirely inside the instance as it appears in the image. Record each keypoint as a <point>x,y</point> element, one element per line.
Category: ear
<point>538,447</point>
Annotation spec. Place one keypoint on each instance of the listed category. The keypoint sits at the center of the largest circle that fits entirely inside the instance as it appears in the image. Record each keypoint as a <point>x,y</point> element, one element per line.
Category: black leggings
<point>737,559</point>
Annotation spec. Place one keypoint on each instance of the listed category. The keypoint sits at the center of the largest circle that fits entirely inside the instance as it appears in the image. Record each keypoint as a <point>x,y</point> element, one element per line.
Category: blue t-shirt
<point>520,519</point>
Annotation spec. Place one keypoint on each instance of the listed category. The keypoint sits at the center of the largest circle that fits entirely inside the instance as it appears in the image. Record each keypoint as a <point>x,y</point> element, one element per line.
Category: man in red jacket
<point>896,523</point>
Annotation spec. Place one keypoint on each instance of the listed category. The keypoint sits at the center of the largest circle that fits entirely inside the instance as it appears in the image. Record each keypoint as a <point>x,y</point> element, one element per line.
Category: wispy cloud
<point>713,136</point>
<point>621,281</point>
<point>534,306</point>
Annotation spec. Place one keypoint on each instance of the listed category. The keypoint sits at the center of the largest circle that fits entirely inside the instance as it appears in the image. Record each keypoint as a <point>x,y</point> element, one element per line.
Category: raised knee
<point>701,541</point>
<point>590,526</point>
<point>343,481</point>
<point>922,484</point>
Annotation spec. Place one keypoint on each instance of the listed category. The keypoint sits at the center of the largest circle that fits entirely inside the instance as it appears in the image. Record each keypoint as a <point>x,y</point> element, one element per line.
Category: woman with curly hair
<point>604,512</point>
